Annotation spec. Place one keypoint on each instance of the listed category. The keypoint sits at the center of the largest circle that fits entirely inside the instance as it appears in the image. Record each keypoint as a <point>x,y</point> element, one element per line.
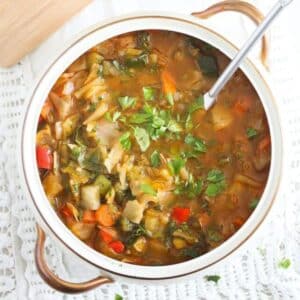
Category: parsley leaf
<point>253,203</point>
<point>251,133</point>
<point>214,235</point>
<point>176,164</point>
<point>170,98</point>
<point>214,278</point>
<point>148,189</point>
<point>198,104</point>
<point>149,93</point>
<point>284,263</point>
<point>215,175</point>
<point>155,159</point>
<point>127,102</point>
<point>125,140</point>
<point>174,126</point>
<point>142,138</point>
<point>214,189</point>
<point>197,144</point>
<point>118,297</point>
<point>191,188</point>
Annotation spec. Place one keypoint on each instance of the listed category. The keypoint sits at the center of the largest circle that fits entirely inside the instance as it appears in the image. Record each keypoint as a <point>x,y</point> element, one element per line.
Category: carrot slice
<point>88,216</point>
<point>105,236</point>
<point>168,82</point>
<point>104,216</point>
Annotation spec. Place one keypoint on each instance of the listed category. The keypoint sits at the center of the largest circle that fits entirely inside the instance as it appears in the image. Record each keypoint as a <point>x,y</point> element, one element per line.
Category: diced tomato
<point>117,246</point>
<point>242,104</point>
<point>88,216</point>
<point>105,236</point>
<point>44,157</point>
<point>181,214</point>
<point>66,211</point>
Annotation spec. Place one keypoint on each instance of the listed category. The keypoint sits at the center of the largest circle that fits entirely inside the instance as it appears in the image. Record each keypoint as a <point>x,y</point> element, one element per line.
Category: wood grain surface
<point>24,24</point>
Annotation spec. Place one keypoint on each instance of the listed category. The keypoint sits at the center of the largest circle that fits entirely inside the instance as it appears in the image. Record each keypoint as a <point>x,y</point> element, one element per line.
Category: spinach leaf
<point>208,65</point>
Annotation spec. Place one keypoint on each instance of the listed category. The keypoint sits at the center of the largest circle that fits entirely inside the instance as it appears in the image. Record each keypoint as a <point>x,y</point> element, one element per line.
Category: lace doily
<point>251,273</point>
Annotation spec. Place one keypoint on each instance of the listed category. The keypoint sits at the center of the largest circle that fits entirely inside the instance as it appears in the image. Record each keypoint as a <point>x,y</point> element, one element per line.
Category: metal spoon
<point>211,95</point>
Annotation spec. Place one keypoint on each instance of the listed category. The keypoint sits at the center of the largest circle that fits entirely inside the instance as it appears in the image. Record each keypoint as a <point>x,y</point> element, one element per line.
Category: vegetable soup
<point>133,164</point>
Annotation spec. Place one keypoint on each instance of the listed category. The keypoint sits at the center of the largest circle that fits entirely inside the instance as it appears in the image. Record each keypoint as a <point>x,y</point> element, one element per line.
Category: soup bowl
<point>47,219</point>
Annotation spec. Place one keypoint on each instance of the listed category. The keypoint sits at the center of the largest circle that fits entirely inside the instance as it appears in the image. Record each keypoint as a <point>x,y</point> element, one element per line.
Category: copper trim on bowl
<point>39,244</point>
<point>53,280</point>
<point>246,9</point>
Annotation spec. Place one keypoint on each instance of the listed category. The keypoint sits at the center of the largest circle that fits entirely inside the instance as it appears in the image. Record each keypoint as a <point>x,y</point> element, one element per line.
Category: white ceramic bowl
<point>42,209</point>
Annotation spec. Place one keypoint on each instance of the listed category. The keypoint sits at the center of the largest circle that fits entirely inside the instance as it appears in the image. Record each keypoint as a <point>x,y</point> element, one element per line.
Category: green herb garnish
<point>127,102</point>
<point>125,140</point>
<point>251,133</point>
<point>198,104</point>
<point>176,164</point>
<point>118,297</point>
<point>216,183</point>
<point>284,263</point>
<point>214,278</point>
<point>155,159</point>
<point>142,138</point>
<point>148,189</point>
<point>253,203</point>
<point>149,93</point>
<point>198,145</point>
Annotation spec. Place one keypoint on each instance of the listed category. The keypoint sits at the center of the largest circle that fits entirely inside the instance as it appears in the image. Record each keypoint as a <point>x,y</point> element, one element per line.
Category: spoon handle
<point>210,96</point>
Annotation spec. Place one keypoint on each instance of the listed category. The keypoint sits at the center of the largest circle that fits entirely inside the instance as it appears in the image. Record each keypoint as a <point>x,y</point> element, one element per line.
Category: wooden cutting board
<point>24,24</point>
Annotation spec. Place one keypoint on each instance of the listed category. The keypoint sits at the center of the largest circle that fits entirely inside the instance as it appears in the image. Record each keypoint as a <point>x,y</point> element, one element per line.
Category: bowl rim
<point>193,27</point>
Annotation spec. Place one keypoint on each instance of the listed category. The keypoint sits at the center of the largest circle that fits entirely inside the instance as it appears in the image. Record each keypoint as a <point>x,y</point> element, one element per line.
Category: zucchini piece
<point>103,183</point>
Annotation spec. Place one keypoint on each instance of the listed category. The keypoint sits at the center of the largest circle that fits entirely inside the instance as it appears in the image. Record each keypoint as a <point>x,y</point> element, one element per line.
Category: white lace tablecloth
<point>253,271</point>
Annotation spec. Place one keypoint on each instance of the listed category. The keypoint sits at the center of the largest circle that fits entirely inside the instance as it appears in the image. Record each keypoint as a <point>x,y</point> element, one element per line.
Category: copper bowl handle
<point>54,281</point>
<point>242,7</point>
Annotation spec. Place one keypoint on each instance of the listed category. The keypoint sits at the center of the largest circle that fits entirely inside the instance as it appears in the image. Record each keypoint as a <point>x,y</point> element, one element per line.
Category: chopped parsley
<point>284,263</point>
<point>148,189</point>
<point>192,188</point>
<point>127,102</point>
<point>176,164</point>
<point>198,104</point>
<point>155,159</point>
<point>214,235</point>
<point>214,278</point>
<point>216,183</point>
<point>118,297</point>
<point>149,93</point>
<point>197,144</point>
<point>142,138</point>
<point>125,140</point>
<point>251,133</point>
<point>253,203</point>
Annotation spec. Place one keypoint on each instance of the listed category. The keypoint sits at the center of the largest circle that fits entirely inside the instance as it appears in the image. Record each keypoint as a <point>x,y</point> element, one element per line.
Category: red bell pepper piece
<point>105,236</point>
<point>181,214</point>
<point>117,246</point>
<point>44,157</point>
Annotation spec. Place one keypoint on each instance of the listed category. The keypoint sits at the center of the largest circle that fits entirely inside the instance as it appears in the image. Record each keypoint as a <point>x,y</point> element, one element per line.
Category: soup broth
<point>133,164</point>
